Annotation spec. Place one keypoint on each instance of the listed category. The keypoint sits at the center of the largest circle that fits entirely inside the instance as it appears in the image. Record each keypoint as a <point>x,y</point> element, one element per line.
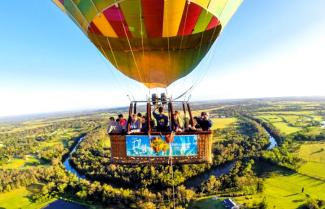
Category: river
<point>67,165</point>
<point>272,140</point>
<point>192,182</point>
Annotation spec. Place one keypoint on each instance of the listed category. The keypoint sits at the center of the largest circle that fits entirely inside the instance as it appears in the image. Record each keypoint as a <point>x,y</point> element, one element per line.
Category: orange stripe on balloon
<point>104,26</point>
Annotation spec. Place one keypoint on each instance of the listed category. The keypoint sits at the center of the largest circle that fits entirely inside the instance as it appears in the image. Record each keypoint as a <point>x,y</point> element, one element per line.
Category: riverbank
<point>67,164</point>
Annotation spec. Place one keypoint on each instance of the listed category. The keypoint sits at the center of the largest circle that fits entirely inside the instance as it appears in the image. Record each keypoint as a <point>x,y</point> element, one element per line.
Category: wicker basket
<point>119,156</point>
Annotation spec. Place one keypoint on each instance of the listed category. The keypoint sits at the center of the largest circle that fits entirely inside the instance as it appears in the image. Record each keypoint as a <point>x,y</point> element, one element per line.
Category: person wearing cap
<point>204,121</point>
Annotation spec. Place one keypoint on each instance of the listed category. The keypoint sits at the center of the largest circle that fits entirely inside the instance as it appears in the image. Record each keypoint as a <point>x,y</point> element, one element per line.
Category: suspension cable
<point>85,20</point>
<point>130,46</point>
<point>126,90</point>
<point>171,168</point>
<point>209,59</point>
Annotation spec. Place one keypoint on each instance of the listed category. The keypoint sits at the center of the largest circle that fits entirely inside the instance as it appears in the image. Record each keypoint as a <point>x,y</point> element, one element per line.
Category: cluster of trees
<point>282,156</point>
<point>32,139</point>
<point>59,183</point>
<point>248,139</point>
<point>14,179</point>
<point>274,132</point>
<point>240,180</point>
<point>313,204</point>
<point>309,135</point>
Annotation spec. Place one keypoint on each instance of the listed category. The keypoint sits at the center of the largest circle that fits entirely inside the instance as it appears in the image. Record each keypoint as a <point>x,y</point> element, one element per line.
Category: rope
<point>181,43</point>
<point>209,55</point>
<point>184,94</point>
<point>188,2</point>
<point>129,43</point>
<point>171,169</point>
<point>126,90</point>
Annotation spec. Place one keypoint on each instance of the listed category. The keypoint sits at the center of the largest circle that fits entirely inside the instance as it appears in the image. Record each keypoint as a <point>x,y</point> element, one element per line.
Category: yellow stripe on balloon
<point>217,6</point>
<point>203,3</point>
<point>104,26</point>
<point>173,12</point>
<point>59,4</point>
<point>229,11</point>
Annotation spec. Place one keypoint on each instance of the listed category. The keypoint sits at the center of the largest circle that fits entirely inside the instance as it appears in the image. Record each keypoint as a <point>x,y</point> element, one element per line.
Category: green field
<point>291,121</point>
<point>285,191</point>
<point>16,163</point>
<point>220,123</point>
<point>19,198</point>
<point>285,128</point>
<point>314,155</point>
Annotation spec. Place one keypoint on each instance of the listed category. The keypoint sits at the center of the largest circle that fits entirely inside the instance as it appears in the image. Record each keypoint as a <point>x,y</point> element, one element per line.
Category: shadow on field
<point>319,151</point>
<point>291,195</point>
<point>265,169</point>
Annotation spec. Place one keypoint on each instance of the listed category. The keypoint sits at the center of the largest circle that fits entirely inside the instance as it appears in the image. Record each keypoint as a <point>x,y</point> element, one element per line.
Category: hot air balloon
<point>154,42</point>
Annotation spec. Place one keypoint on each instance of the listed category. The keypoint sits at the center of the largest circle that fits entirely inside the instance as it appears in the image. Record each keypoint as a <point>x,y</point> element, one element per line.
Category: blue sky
<point>269,48</point>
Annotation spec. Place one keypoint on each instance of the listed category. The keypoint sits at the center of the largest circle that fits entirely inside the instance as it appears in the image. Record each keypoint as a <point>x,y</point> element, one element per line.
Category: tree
<point>147,205</point>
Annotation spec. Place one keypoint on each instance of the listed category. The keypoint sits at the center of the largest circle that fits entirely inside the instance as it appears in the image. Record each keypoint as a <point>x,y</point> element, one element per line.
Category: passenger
<point>123,122</point>
<point>135,125</point>
<point>144,124</point>
<point>162,120</point>
<point>196,126</point>
<point>204,121</point>
<point>178,122</point>
<point>139,116</point>
<point>113,126</point>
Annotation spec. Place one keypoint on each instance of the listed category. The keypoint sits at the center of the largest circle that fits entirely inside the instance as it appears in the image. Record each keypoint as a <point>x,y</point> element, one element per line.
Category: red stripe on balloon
<point>93,28</point>
<point>189,20</point>
<point>214,22</point>
<point>115,17</point>
<point>153,14</point>
<point>62,1</point>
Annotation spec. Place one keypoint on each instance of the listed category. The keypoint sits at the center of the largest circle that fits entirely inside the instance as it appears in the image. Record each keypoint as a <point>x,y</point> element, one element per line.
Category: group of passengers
<point>138,123</point>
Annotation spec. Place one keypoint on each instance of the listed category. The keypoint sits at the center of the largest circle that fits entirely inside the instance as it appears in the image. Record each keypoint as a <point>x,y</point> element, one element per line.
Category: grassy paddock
<point>285,191</point>
<point>16,163</point>
<point>220,123</point>
<point>207,203</point>
<point>19,198</point>
<point>314,155</point>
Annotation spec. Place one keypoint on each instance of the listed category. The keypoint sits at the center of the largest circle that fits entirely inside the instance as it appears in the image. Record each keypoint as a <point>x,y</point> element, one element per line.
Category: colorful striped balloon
<point>154,42</point>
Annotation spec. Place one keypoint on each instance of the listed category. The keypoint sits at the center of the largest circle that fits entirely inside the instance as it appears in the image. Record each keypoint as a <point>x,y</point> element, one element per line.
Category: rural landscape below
<point>162,104</point>
<point>267,153</point>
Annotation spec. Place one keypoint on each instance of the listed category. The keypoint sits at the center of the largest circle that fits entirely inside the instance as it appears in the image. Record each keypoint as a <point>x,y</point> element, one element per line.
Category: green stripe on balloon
<point>87,9</point>
<point>132,11</point>
<point>203,22</point>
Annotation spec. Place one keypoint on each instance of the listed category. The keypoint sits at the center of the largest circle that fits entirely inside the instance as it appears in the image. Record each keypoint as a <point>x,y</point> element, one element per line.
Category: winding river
<point>272,140</point>
<point>67,165</point>
<point>192,182</point>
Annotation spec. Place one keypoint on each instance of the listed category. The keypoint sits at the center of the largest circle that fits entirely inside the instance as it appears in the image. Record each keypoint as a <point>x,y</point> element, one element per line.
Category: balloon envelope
<point>154,42</point>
